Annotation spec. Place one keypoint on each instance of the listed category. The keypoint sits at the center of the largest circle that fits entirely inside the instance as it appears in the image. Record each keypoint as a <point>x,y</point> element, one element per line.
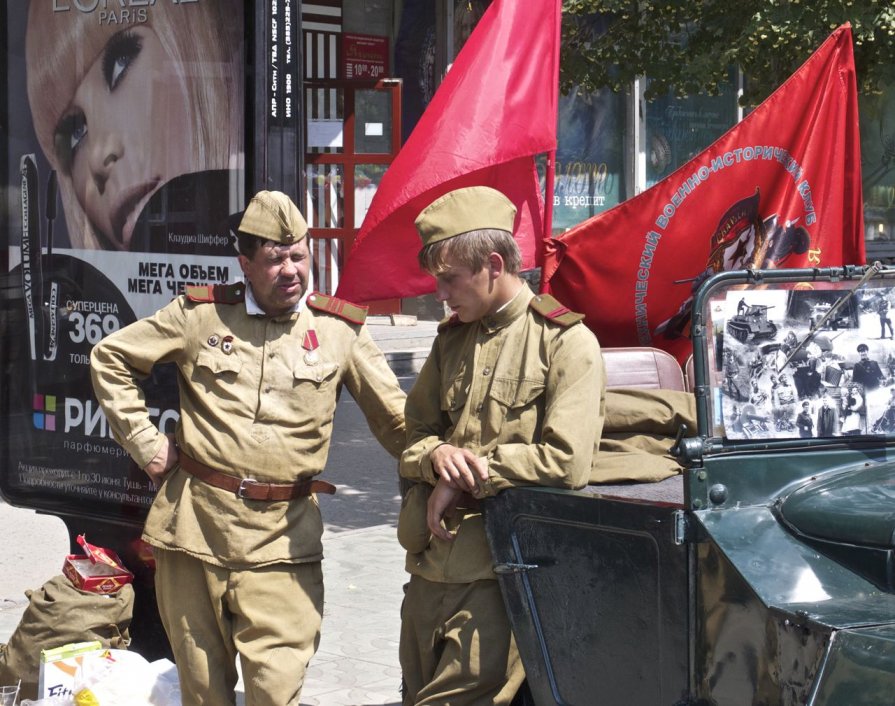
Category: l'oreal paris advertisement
<point>124,157</point>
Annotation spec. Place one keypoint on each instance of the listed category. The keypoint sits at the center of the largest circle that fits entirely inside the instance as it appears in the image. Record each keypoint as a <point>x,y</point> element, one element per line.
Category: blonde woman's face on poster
<point>126,133</point>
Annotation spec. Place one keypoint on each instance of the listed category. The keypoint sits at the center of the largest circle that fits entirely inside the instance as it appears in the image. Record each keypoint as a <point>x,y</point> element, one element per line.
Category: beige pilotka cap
<point>273,216</point>
<point>464,210</point>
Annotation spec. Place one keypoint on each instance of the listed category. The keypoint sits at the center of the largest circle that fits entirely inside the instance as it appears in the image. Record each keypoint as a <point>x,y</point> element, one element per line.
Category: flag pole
<point>548,214</point>
<point>547,254</point>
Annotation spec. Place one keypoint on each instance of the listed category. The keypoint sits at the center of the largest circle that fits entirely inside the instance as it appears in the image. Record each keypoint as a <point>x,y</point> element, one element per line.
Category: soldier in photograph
<point>804,422</point>
<point>827,417</point>
<point>885,321</point>
<point>867,372</point>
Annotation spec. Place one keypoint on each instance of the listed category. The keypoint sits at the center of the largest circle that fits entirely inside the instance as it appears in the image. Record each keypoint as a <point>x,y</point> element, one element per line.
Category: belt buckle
<point>243,486</point>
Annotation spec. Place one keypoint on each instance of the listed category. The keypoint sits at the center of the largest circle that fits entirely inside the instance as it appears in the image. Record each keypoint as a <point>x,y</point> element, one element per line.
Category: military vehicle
<point>764,573</point>
<point>752,324</point>
<point>820,318</point>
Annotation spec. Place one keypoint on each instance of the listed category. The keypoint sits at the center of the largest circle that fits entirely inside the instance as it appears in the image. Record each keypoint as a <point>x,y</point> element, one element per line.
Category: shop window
<point>677,129</point>
<point>877,116</point>
<point>589,156</point>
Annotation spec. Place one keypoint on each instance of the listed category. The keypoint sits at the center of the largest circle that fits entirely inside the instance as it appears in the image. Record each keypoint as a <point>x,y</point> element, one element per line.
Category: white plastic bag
<point>120,678</point>
<point>166,691</point>
<point>117,678</point>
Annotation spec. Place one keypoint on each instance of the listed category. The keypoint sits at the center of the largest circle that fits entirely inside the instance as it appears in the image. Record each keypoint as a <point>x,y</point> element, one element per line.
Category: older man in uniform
<point>866,371</point>
<point>511,394</point>
<point>236,525</point>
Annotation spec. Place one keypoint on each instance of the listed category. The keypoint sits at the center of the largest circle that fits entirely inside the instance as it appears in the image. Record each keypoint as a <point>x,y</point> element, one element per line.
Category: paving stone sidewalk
<point>405,340</point>
<point>357,662</point>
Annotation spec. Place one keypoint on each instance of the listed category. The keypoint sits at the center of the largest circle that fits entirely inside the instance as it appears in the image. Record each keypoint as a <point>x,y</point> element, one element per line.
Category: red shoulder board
<point>450,322</point>
<point>354,313</point>
<point>216,293</point>
<point>550,308</point>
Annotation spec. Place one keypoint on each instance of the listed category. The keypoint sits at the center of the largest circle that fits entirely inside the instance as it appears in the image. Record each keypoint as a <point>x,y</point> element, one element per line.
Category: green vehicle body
<point>764,574</point>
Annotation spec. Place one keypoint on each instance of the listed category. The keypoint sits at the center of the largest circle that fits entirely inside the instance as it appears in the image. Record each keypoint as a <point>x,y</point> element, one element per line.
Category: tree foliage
<point>689,46</point>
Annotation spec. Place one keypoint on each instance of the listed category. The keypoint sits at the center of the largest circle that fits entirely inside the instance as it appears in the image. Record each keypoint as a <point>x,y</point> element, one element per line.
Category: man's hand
<point>442,502</point>
<point>164,461</point>
<point>459,467</point>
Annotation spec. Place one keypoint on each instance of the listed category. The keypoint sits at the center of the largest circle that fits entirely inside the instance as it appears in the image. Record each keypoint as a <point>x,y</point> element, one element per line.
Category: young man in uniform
<point>511,394</point>
<point>235,525</point>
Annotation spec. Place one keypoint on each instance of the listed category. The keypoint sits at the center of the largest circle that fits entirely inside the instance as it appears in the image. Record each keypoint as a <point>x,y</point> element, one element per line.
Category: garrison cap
<point>273,216</point>
<point>463,210</point>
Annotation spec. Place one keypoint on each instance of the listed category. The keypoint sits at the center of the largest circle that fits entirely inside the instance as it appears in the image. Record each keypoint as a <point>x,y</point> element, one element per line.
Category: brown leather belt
<point>250,488</point>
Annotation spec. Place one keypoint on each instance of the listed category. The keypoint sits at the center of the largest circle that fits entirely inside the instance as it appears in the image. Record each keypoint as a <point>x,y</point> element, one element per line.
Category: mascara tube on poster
<point>51,297</point>
<point>32,275</point>
<point>51,216</point>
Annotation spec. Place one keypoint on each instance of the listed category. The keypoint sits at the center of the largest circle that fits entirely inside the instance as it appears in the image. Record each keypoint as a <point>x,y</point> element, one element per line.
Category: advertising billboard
<point>123,147</point>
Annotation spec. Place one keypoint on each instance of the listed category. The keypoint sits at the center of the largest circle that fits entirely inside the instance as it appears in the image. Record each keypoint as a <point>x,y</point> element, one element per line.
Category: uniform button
<point>270,354</point>
<point>266,390</point>
<point>486,372</point>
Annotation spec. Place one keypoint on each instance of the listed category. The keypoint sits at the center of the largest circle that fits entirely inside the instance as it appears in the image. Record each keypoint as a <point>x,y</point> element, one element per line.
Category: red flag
<point>494,111</point>
<point>780,189</point>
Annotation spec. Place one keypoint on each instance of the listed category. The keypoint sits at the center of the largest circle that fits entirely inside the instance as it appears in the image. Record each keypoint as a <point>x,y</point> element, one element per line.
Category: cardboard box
<point>59,665</point>
<point>98,578</point>
<point>98,570</point>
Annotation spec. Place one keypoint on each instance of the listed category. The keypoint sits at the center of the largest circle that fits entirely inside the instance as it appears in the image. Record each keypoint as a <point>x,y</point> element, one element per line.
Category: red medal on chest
<point>311,344</point>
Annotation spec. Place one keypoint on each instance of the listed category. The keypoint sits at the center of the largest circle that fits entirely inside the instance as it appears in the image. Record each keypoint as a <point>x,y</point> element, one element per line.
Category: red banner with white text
<point>780,189</point>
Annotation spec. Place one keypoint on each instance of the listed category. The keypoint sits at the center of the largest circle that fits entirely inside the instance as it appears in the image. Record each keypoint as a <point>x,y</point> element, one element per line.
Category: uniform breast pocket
<point>516,393</point>
<point>518,408</point>
<point>318,375</point>
<point>453,398</point>
<point>215,366</point>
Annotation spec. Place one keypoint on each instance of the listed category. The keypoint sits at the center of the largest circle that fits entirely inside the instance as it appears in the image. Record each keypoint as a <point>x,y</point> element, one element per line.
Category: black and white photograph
<point>805,363</point>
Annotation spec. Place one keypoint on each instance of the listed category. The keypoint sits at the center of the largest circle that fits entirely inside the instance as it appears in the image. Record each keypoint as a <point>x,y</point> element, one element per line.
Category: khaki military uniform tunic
<point>257,398</point>
<point>523,389</point>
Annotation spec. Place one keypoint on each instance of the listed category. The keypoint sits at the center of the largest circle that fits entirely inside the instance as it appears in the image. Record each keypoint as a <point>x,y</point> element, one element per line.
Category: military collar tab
<point>551,309</point>
<point>354,313</point>
<point>216,293</point>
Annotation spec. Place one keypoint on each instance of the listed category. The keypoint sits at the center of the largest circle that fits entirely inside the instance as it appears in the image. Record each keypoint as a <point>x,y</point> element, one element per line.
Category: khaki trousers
<point>456,645</point>
<point>269,617</point>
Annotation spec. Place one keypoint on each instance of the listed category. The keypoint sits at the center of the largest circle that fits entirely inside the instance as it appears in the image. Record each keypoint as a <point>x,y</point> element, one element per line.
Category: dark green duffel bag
<point>59,614</point>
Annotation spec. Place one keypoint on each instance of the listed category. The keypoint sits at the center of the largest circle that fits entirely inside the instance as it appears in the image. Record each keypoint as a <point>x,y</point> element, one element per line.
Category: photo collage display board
<point>792,362</point>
